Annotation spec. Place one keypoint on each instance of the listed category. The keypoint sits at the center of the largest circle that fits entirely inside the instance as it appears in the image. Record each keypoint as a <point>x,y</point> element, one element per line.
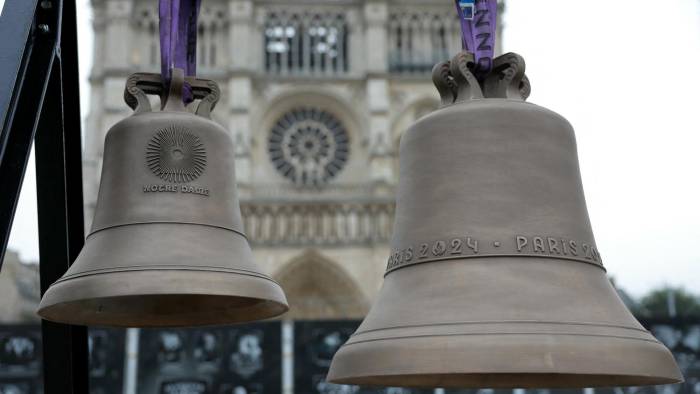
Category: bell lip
<point>241,299</point>
<point>489,360</point>
<point>185,275</point>
<point>497,381</point>
<point>55,312</point>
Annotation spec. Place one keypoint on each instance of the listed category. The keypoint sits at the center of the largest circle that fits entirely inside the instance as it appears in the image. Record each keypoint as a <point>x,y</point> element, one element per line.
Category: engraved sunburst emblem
<point>175,154</point>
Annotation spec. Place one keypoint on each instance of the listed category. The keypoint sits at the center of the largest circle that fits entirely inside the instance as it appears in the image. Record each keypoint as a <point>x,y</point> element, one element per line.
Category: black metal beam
<point>64,347</point>
<point>72,129</point>
<point>26,55</point>
<point>35,81</point>
<point>17,21</point>
<point>60,202</point>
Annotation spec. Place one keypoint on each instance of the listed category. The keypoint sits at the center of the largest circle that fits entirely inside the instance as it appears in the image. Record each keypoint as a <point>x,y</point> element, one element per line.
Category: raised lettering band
<point>463,247</point>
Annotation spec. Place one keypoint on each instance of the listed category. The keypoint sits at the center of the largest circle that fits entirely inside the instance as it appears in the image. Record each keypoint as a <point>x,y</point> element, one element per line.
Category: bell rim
<point>233,299</point>
<point>274,309</point>
<point>494,381</point>
<point>490,360</point>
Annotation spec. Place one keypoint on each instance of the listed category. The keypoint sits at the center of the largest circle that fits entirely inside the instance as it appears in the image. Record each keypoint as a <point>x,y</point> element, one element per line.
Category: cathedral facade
<point>316,95</point>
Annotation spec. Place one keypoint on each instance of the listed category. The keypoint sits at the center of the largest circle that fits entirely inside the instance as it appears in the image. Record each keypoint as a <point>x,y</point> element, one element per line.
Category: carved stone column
<point>243,60</point>
<point>242,36</point>
<point>376,14</point>
<point>118,34</point>
<point>381,161</point>
<point>240,98</point>
<point>376,36</point>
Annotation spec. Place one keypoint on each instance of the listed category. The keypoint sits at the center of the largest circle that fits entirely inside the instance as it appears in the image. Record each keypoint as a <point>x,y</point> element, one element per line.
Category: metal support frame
<point>38,75</point>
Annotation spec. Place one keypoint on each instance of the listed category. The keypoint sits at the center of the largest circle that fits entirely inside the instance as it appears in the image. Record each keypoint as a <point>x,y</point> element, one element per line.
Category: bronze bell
<point>495,279</point>
<point>167,246</point>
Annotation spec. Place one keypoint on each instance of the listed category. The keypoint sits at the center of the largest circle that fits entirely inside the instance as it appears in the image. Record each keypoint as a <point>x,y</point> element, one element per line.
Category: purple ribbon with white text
<point>178,39</point>
<point>478,19</point>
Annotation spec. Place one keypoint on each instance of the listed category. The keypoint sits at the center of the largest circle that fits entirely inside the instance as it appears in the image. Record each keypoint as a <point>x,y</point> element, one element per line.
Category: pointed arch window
<point>306,43</point>
<point>417,41</point>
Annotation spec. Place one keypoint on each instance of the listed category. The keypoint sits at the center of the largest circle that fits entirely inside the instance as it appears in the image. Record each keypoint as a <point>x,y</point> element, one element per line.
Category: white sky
<point>624,72</point>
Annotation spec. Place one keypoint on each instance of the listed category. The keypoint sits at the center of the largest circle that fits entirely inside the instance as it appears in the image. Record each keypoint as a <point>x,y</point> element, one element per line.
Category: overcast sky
<point>625,74</point>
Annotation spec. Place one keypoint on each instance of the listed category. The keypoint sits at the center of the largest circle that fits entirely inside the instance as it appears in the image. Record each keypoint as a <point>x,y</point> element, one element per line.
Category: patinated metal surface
<point>495,279</point>
<point>167,246</point>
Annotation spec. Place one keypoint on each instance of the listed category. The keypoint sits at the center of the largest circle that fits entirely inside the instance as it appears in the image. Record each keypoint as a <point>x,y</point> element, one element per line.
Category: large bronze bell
<point>494,278</point>
<point>167,246</point>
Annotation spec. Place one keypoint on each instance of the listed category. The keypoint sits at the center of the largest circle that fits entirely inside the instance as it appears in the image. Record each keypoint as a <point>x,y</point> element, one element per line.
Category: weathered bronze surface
<point>494,278</point>
<point>167,246</point>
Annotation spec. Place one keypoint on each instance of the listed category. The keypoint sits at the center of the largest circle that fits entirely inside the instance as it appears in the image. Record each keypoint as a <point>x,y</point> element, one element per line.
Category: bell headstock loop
<point>507,78</point>
<point>445,83</point>
<point>207,91</point>
<point>468,87</point>
<point>140,85</point>
<point>456,82</point>
<point>525,88</point>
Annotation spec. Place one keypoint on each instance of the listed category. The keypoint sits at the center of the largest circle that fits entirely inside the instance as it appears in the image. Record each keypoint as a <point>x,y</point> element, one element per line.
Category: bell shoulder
<point>483,113</point>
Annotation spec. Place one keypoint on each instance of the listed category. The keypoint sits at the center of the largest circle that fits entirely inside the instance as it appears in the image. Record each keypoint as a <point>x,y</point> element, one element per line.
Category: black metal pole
<point>74,175</point>
<point>38,74</point>
<point>72,128</point>
<point>64,347</point>
<point>60,206</point>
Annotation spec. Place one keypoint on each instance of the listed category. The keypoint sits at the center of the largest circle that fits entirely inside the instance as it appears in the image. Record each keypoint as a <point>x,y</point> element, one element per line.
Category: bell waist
<point>97,229</point>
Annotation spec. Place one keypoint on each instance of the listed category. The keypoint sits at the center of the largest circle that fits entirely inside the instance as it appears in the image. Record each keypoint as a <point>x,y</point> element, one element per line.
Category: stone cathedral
<point>315,95</point>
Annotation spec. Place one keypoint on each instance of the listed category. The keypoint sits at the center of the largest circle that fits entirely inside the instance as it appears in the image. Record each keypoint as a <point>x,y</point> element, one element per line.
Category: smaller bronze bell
<point>167,246</point>
<point>494,278</point>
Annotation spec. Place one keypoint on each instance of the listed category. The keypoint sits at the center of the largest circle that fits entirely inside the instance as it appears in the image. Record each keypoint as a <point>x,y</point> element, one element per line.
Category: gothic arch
<point>409,113</point>
<point>406,116</point>
<point>317,288</point>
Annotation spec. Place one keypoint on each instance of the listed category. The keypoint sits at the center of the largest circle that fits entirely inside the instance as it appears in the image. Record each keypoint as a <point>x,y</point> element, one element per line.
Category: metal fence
<point>262,358</point>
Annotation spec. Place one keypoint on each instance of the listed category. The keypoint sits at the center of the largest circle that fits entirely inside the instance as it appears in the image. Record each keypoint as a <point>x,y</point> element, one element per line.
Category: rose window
<point>308,146</point>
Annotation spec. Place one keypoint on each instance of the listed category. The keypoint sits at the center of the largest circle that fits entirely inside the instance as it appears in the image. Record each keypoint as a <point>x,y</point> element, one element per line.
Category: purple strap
<point>479,31</point>
<point>178,39</point>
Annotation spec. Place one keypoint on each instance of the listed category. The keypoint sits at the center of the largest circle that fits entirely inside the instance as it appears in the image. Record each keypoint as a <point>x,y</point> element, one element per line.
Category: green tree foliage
<point>667,302</point>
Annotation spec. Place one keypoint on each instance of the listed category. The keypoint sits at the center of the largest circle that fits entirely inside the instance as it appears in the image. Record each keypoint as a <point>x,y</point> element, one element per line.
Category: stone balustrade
<point>321,224</point>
